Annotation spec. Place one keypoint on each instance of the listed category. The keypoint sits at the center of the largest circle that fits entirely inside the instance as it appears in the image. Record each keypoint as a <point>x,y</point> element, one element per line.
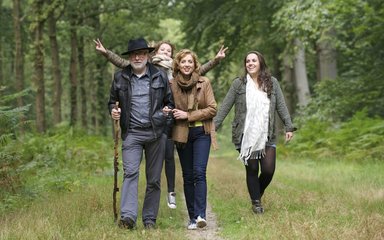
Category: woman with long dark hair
<point>256,96</point>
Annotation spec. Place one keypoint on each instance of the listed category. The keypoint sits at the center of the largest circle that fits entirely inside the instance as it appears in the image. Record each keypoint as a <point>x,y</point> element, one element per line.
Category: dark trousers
<point>137,141</point>
<point>169,165</point>
<point>258,183</point>
<point>194,159</point>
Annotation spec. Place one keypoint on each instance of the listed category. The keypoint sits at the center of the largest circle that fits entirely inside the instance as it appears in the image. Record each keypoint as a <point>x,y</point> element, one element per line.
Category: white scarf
<point>165,62</point>
<point>255,133</point>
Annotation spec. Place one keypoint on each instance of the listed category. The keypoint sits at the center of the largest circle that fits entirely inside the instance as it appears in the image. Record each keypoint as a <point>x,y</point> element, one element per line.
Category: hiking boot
<point>149,225</point>
<point>127,223</point>
<point>192,225</point>
<point>200,222</point>
<point>257,207</point>
<point>171,200</point>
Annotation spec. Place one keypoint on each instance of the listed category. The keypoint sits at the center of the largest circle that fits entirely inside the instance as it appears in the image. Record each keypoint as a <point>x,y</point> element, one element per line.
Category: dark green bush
<point>359,139</point>
<point>59,160</point>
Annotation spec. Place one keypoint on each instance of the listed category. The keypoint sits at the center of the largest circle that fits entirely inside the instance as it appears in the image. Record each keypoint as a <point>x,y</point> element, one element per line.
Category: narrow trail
<point>211,231</point>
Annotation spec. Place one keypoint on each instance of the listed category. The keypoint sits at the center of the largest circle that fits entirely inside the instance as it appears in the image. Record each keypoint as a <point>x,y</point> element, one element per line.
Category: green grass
<point>86,213</point>
<point>307,199</point>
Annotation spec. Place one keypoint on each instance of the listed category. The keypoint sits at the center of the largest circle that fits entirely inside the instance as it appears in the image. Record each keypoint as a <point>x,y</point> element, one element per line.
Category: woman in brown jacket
<point>193,131</point>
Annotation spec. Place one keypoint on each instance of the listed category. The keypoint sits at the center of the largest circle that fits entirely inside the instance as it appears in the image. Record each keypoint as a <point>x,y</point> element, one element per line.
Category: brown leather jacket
<point>207,108</point>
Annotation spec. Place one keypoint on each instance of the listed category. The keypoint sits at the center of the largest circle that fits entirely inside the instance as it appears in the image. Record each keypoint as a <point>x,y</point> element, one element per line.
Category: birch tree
<point>301,78</point>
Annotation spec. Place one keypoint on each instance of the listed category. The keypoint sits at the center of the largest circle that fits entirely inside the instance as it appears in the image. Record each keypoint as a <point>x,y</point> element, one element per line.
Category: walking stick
<point>115,162</point>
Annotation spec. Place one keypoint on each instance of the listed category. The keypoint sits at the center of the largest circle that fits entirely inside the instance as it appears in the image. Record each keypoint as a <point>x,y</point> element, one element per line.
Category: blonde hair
<point>181,54</point>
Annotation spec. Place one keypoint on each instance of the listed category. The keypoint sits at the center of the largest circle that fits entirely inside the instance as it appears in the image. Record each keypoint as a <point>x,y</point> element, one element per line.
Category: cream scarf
<point>255,133</point>
<point>164,62</point>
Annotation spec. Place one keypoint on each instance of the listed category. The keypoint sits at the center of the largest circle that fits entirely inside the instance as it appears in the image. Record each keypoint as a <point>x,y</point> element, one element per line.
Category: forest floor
<point>307,199</point>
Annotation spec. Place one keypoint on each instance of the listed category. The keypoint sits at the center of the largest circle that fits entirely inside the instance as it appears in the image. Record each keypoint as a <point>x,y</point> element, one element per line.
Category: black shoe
<point>149,225</point>
<point>257,207</point>
<point>127,223</point>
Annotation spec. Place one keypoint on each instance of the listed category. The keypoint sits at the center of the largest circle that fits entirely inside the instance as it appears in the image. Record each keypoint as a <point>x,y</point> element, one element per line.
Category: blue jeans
<point>194,159</point>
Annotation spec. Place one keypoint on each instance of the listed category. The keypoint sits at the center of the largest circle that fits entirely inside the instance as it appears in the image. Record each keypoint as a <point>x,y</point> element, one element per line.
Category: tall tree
<point>1,48</point>
<point>326,52</point>
<point>37,26</point>
<point>288,83</point>
<point>54,14</point>
<point>242,26</point>
<point>19,53</point>
<point>83,92</point>
<point>301,78</point>
<point>73,71</point>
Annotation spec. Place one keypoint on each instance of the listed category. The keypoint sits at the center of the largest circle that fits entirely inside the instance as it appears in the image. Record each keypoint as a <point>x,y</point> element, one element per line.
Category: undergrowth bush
<point>59,160</point>
<point>359,139</point>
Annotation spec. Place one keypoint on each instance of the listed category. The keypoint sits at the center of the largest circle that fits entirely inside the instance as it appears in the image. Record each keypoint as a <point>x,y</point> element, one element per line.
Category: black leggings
<point>257,184</point>
<point>170,165</point>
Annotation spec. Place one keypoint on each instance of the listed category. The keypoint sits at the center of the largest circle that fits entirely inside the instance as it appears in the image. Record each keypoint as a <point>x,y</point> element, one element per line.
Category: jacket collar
<point>151,70</point>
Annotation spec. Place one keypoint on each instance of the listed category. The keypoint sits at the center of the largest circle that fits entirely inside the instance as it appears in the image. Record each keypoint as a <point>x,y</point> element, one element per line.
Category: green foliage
<point>304,20</point>
<point>59,160</point>
<point>242,26</point>
<point>359,139</point>
<point>340,99</point>
<point>11,118</point>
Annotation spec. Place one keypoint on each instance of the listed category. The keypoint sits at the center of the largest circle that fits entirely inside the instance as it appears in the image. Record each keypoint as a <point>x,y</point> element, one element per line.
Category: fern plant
<point>11,117</point>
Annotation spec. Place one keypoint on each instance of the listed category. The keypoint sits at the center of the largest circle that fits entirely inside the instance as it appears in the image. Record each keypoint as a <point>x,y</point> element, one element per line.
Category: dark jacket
<point>236,96</point>
<point>160,92</point>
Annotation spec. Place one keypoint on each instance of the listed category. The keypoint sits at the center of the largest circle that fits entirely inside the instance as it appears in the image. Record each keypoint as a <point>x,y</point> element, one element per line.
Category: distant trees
<point>307,44</point>
<point>337,40</point>
<point>52,41</point>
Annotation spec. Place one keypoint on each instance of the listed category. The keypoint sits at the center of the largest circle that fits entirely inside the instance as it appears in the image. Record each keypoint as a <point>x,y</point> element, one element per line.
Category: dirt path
<point>210,231</point>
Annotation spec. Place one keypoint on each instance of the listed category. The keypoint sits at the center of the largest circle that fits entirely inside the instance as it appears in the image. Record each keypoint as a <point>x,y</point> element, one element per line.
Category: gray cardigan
<point>236,96</point>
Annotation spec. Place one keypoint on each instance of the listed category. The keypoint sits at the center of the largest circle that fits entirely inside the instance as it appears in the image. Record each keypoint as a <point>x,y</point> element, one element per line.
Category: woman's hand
<point>99,46</point>
<point>179,114</point>
<point>288,136</point>
<point>221,53</point>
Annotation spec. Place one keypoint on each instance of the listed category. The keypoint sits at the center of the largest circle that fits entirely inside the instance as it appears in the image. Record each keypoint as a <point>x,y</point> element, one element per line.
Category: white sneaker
<point>171,200</point>
<point>201,222</point>
<point>192,225</point>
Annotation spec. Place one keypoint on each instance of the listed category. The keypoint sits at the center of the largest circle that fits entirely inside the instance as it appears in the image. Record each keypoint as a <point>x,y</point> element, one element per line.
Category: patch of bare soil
<point>211,231</point>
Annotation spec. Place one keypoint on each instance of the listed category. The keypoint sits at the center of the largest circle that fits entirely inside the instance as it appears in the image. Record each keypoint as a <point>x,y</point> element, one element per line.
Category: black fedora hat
<point>137,44</point>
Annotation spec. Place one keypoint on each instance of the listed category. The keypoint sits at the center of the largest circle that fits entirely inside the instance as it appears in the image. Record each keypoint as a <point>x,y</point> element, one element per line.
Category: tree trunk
<point>99,93</point>
<point>301,79</point>
<point>100,107</point>
<point>1,63</point>
<point>326,53</point>
<point>288,85</point>
<point>19,57</point>
<point>1,51</point>
<point>73,75</point>
<point>38,76</point>
<point>56,72</point>
<point>83,92</point>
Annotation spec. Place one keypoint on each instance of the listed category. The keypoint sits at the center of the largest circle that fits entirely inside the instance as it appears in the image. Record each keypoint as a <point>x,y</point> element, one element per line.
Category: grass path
<point>210,232</point>
<point>306,200</point>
